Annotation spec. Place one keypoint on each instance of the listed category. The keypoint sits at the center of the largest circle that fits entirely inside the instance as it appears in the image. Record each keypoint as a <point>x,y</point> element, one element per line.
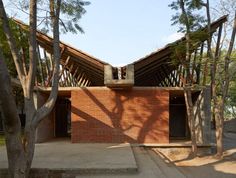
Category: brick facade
<point>138,115</point>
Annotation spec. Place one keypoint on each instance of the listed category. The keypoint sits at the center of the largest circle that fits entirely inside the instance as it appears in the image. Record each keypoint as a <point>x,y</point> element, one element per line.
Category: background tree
<point>227,7</point>
<point>220,56</point>
<point>20,149</point>
<point>230,110</point>
<point>216,60</point>
<point>221,94</point>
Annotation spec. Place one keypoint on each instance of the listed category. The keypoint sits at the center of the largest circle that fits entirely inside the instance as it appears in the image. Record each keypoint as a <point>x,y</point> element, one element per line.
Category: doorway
<point>178,118</point>
<point>63,117</point>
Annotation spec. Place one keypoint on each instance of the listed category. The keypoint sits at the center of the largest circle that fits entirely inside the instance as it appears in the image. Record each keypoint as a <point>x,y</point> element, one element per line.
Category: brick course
<point>102,115</point>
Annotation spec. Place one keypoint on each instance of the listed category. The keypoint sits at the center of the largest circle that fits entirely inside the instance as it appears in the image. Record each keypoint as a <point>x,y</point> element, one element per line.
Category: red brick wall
<point>138,115</point>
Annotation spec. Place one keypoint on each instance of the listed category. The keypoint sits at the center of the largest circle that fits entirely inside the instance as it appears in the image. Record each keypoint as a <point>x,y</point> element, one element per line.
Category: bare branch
<point>32,49</point>
<point>225,87</point>
<point>48,106</point>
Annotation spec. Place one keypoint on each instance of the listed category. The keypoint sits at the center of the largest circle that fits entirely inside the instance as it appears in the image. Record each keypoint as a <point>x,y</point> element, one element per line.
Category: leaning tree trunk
<point>188,82</point>
<point>20,154</point>
<point>224,89</point>
<point>20,151</point>
<point>12,126</point>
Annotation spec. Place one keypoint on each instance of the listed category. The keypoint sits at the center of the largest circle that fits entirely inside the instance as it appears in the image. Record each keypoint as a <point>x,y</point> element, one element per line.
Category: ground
<point>151,163</point>
<point>209,166</point>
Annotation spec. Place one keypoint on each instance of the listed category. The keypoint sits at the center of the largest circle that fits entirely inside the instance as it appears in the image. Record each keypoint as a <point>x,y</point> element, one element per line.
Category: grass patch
<point>2,140</point>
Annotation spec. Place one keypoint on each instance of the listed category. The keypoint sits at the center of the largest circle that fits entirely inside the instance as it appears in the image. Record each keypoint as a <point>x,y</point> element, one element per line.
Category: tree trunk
<point>12,126</point>
<point>188,83</point>
<point>29,133</point>
<point>20,151</point>
<point>219,127</point>
<point>220,103</point>
<point>191,118</point>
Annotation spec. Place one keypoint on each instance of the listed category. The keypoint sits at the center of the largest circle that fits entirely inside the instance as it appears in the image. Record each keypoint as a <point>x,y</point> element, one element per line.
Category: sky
<point>122,31</point>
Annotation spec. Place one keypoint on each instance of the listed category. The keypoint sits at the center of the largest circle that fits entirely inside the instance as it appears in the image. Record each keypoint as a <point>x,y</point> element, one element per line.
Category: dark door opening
<point>62,117</point>
<point>178,118</point>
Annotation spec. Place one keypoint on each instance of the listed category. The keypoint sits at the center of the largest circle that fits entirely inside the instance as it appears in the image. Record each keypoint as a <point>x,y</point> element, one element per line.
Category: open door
<point>62,117</point>
<point>178,119</point>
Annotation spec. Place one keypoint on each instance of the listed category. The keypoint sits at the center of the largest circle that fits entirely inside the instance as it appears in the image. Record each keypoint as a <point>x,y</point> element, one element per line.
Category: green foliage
<point>190,21</point>
<point>21,38</point>
<point>179,49</point>
<point>71,13</point>
<point>73,9</point>
<point>231,100</point>
<point>195,20</point>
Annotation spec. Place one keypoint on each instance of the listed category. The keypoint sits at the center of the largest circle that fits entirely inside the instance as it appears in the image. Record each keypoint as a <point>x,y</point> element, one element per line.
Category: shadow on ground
<point>208,166</point>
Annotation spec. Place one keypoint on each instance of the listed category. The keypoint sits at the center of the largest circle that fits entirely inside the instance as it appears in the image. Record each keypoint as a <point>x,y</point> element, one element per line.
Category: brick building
<point>142,102</point>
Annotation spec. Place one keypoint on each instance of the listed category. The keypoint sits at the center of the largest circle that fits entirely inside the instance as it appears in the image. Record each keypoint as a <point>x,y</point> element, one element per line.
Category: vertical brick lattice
<point>102,115</point>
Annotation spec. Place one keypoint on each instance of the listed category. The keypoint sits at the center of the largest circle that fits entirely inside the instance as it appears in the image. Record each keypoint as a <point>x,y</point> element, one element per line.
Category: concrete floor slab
<point>65,156</point>
<point>150,166</point>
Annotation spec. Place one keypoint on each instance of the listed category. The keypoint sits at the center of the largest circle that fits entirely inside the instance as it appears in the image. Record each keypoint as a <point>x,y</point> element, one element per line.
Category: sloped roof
<point>149,70</point>
<point>159,61</point>
<point>91,66</point>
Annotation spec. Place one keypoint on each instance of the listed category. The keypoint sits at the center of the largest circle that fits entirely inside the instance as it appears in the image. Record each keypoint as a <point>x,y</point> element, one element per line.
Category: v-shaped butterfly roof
<point>154,69</point>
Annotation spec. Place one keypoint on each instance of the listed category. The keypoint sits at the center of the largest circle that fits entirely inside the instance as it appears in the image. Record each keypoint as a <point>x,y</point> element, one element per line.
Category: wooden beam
<point>149,72</point>
<point>166,76</point>
<point>160,82</point>
<point>70,75</point>
<point>152,65</point>
<point>46,62</point>
<point>64,66</point>
<point>194,63</point>
<point>173,76</point>
<point>217,52</point>
<point>199,65</point>
<point>40,66</point>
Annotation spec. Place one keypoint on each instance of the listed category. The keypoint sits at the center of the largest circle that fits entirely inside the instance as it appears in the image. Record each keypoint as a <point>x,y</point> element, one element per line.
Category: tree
<point>230,111</point>
<point>220,61</point>
<point>228,7</point>
<point>20,149</point>
<point>188,23</point>
<point>221,95</point>
<point>215,58</point>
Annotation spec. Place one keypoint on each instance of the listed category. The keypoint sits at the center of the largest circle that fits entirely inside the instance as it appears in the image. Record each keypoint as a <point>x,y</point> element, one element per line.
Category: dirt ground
<point>208,166</point>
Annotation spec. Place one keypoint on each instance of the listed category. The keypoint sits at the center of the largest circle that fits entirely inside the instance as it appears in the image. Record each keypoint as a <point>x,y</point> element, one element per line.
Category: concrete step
<point>64,158</point>
<point>97,161</point>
